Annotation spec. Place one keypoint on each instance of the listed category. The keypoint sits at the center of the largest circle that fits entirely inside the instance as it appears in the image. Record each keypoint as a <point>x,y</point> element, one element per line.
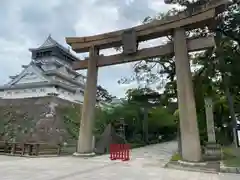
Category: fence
<point>120,152</point>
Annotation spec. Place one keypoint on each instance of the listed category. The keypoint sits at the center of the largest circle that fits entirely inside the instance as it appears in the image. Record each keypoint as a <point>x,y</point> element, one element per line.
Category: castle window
<point>42,90</point>
<point>66,58</point>
<point>48,53</point>
<point>34,90</point>
<point>43,54</point>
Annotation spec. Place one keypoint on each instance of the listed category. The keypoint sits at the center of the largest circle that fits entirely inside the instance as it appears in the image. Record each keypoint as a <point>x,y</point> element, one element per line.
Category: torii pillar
<point>85,145</point>
<point>191,149</point>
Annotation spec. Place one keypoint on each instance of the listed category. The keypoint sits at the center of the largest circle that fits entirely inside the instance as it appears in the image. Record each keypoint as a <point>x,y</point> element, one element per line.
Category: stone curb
<point>49,155</point>
<point>84,155</point>
<point>32,156</point>
<point>200,167</point>
<point>202,164</point>
<point>226,169</point>
<point>189,166</point>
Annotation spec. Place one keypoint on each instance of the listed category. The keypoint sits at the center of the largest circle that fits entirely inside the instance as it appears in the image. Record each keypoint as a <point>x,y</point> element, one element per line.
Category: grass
<point>137,145</point>
<point>231,156</point>
<point>176,157</point>
<point>234,162</point>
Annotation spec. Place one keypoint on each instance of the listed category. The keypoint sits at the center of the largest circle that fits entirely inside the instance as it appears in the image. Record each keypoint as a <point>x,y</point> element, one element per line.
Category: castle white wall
<point>41,92</point>
<point>27,93</point>
<point>48,67</point>
<point>67,95</point>
<point>53,59</point>
<point>55,78</point>
<point>1,94</point>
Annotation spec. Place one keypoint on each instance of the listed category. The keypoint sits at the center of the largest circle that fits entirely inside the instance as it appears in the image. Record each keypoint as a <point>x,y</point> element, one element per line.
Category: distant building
<point>114,103</point>
<point>117,101</point>
<point>48,74</point>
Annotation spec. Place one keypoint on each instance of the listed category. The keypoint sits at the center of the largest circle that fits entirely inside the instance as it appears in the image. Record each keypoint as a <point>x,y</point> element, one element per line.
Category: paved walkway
<point>146,163</point>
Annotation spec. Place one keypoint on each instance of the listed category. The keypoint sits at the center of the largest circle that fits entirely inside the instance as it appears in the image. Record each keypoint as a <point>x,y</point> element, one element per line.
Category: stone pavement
<point>146,163</point>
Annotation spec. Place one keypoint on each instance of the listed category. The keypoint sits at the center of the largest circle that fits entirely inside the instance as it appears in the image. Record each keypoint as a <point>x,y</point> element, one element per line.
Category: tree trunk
<point>145,125</point>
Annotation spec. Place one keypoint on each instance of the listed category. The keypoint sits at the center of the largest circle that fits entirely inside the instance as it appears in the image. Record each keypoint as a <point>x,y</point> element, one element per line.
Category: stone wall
<point>34,120</point>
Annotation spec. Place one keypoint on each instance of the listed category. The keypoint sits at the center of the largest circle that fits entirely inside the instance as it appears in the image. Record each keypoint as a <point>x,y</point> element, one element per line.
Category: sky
<point>26,24</point>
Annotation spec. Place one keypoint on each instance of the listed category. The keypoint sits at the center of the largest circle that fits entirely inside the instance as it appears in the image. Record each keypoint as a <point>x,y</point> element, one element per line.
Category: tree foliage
<point>160,120</point>
<point>210,76</point>
<point>103,95</point>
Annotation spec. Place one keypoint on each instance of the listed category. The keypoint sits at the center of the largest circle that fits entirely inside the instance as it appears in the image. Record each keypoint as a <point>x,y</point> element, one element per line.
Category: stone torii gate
<point>129,38</point>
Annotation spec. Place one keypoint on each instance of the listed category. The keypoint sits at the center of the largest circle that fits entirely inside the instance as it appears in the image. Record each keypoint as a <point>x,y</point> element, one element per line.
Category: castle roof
<point>50,43</point>
<point>40,78</point>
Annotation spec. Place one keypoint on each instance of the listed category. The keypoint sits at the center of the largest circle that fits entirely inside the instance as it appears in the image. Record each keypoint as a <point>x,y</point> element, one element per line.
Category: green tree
<point>103,95</point>
<point>208,74</point>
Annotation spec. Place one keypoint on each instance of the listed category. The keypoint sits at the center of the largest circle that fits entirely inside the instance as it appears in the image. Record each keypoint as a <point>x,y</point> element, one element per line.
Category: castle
<point>48,74</point>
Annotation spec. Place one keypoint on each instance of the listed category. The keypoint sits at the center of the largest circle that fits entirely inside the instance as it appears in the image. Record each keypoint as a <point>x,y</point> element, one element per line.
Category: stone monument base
<point>77,154</point>
<point>212,152</point>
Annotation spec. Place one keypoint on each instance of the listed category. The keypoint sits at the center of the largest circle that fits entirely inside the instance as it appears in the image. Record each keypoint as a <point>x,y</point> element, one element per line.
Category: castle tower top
<point>51,47</point>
